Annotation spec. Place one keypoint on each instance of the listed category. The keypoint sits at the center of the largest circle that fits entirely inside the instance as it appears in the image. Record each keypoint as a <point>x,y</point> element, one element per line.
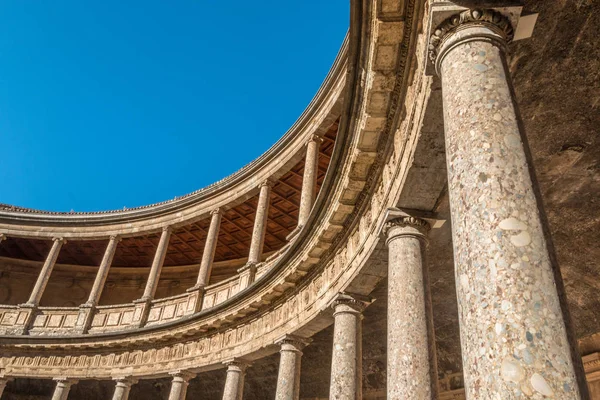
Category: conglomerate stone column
<point>122,388</point>
<point>234,382</point>
<point>346,359</point>
<point>62,388</point>
<point>288,380</point>
<point>411,361</point>
<point>179,384</point>
<point>44,276</point>
<point>514,337</point>
<point>309,179</point>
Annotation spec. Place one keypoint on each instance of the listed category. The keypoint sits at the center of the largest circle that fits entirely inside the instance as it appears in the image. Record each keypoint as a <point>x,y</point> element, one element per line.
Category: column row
<point>254,257</point>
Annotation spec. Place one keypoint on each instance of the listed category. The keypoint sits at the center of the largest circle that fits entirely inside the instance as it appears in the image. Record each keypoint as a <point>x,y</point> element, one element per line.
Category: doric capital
<point>487,18</point>
<point>236,364</point>
<point>182,375</point>
<point>348,303</point>
<point>2,237</point>
<point>125,381</point>
<point>64,381</point>
<point>292,343</point>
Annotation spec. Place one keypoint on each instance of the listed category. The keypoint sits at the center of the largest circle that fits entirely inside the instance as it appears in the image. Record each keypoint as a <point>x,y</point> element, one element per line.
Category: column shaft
<point>62,389</point>
<point>179,385</point>
<point>209,249</point>
<point>122,388</point>
<point>3,382</point>
<point>234,382</point>
<point>309,179</point>
<point>102,273</point>
<point>513,332</point>
<point>157,264</point>
<point>44,276</point>
<point>260,224</point>
<point>411,362</point>
<point>346,363</point>
<point>288,379</point>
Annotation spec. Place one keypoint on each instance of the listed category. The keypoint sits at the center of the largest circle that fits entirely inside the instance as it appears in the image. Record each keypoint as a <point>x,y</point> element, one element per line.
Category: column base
<point>247,274</point>
<point>141,311</point>
<point>198,291</point>
<point>294,233</point>
<point>84,319</point>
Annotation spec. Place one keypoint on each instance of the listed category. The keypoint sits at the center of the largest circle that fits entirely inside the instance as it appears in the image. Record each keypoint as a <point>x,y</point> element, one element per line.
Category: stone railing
<point>48,321</point>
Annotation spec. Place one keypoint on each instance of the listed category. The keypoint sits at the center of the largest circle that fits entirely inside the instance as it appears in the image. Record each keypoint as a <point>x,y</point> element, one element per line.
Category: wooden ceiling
<point>187,242</point>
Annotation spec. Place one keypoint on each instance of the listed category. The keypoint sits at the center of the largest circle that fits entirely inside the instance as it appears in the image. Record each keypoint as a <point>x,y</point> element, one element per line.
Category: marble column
<point>309,179</point>
<point>179,384</point>
<point>346,359</point>
<point>288,380</point>
<point>210,246</point>
<point>44,276</point>
<point>62,388</point>
<point>234,382</point>
<point>411,361</point>
<point>122,388</point>
<point>514,335</point>
<point>157,264</point>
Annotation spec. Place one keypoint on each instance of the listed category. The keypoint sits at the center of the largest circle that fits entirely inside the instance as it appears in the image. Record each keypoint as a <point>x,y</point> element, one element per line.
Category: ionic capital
<point>2,237</point>
<point>115,238</point>
<point>167,229</point>
<point>216,211</point>
<point>59,239</point>
<point>499,25</point>
<point>315,138</point>
<point>406,226</point>
<point>269,182</point>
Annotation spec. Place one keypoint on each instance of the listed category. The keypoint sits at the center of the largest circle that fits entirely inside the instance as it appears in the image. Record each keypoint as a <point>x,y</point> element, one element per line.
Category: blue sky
<point>106,104</point>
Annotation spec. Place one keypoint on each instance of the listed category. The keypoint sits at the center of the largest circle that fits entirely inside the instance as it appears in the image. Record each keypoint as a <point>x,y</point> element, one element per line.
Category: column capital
<point>182,375</point>
<point>349,303</point>
<point>125,381</point>
<point>499,29</point>
<point>65,381</point>
<point>269,182</point>
<point>292,343</point>
<point>2,237</point>
<point>237,364</point>
<point>216,211</point>
<point>406,226</point>
<point>167,229</point>
<point>115,238</point>
<point>315,138</point>
<point>59,239</point>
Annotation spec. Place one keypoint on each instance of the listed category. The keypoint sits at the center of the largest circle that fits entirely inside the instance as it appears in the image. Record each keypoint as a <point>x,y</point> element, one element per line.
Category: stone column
<point>309,179</point>
<point>157,264</point>
<point>514,336</point>
<point>62,389</point>
<point>346,360</point>
<point>411,362</point>
<point>210,246</point>
<point>234,383</point>
<point>179,384</point>
<point>288,380</point>
<point>102,273</point>
<point>258,233</point>
<point>2,237</point>
<point>122,388</point>
<point>44,276</point>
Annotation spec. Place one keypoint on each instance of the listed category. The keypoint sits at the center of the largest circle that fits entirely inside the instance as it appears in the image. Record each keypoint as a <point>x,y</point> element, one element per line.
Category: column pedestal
<point>514,335</point>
